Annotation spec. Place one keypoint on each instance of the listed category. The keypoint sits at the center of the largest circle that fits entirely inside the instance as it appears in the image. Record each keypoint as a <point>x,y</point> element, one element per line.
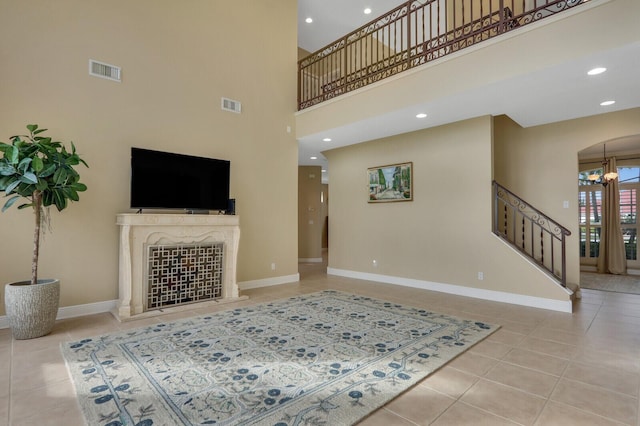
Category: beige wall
<point>444,234</point>
<point>310,218</point>
<point>177,59</point>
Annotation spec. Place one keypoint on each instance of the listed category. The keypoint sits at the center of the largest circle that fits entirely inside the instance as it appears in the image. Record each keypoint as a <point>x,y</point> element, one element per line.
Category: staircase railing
<point>534,234</point>
<point>412,34</point>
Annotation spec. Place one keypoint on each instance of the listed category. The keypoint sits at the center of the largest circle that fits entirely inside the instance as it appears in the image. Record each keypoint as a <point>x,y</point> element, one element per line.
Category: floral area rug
<point>327,358</point>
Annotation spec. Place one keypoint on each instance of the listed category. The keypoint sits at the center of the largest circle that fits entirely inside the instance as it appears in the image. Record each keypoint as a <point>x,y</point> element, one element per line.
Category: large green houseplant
<point>41,172</point>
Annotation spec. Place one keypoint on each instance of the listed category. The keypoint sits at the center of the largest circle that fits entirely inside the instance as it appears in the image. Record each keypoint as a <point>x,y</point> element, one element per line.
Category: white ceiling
<point>548,95</point>
<point>333,19</point>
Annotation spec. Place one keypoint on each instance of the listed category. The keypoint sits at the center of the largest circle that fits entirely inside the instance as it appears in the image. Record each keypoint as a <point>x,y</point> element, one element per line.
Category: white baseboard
<point>310,260</point>
<point>110,305</point>
<point>267,282</point>
<point>496,296</point>
<point>88,309</point>
<point>477,293</point>
<point>75,311</point>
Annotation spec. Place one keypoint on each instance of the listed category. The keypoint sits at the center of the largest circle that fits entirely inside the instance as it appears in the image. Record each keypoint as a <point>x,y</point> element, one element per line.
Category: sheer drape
<point>612,258</point>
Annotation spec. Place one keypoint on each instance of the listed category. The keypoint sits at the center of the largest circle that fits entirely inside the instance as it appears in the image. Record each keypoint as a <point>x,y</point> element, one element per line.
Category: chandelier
<point>606,177</point>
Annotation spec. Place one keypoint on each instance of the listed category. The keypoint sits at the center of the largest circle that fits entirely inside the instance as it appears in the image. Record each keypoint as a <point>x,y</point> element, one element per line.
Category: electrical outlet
<point>481,276</point>
<point>273,266</point>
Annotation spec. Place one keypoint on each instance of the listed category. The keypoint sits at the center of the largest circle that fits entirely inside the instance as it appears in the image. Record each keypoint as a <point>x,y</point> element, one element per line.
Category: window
<point>590,204</point>
<point>629,174</point>
<point>628,222</point>
<point>583,177</point>
<point>629,185</point>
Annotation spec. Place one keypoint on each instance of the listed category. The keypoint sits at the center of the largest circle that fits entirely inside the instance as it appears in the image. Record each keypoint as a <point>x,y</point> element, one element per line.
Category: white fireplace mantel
<point>138,231</point>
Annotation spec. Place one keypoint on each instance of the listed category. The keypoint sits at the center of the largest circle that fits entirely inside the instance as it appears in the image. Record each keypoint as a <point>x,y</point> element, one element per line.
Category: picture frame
<point>390,183</point>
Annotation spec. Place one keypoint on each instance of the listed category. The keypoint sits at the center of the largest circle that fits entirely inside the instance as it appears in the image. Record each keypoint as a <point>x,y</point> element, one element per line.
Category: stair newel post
<point>564,263</point>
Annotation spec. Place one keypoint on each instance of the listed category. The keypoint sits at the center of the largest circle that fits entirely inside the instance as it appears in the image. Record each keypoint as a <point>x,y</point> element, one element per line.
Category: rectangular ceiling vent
<point>231,105</point>
<point>102,70</point>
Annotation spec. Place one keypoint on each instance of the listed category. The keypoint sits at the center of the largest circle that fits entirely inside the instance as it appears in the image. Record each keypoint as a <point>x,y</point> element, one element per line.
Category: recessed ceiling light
<point>313,158</point>
<point>367,11</point>
<point>421,115</point>
<point>326,140</point>
<point>308,20</point>
<point>607,103</point>
<point>596,71</point>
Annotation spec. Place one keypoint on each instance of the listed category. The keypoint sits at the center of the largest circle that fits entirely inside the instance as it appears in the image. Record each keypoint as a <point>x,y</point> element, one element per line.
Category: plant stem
<point>37,210</point>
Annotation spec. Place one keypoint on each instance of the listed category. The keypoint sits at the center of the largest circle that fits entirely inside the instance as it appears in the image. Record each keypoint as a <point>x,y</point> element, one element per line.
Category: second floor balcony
<point>411,35</point>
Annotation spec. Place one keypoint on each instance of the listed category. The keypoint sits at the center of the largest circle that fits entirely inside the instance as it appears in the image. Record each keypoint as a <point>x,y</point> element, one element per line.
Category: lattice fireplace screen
<point>181,274</point>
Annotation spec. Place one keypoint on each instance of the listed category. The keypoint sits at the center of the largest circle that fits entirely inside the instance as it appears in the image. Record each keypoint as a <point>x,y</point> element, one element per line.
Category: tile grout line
<point>553,389</point>
<point>459,400</point>
<point>384,407</point>
<point>564,371</point>
<point>563,376</point>
<point>560,377</point>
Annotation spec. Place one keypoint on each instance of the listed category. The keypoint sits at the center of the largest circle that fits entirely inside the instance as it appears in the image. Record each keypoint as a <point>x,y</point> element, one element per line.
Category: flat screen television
<point>165,180</point>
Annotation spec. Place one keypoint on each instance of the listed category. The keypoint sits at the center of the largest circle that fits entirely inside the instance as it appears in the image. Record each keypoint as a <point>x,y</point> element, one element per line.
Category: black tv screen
<point>164,180</point>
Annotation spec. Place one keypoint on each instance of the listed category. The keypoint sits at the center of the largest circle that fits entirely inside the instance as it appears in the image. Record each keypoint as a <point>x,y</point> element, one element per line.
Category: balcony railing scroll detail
<point>533,233</point>
<point>412,34</point>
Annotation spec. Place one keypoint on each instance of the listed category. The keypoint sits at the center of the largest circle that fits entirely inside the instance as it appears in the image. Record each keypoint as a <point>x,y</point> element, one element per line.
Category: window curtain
<point>612,258</point>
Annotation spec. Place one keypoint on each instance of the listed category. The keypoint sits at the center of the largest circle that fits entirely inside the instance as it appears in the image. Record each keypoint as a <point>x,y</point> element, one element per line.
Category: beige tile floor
<point>540,368</point>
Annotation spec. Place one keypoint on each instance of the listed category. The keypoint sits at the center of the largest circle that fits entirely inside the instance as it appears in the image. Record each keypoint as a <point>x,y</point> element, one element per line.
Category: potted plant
<point>41,172</point>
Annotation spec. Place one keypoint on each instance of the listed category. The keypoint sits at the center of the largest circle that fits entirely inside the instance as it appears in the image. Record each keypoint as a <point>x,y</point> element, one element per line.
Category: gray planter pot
<point>32,309</point>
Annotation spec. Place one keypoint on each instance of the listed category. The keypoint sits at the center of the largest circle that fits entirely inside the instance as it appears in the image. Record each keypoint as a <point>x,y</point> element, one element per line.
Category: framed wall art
<point>391,183</point>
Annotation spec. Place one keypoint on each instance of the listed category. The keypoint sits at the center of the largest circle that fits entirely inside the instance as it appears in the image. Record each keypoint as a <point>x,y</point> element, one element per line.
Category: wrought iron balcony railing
<point>411,35</point>
<point>534,234</point>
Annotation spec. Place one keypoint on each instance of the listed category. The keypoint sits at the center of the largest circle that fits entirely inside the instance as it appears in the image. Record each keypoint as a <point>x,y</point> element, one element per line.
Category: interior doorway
<point>624,154</point>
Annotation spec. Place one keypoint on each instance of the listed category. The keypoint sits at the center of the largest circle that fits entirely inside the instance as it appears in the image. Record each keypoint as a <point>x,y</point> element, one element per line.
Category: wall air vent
<point>231,105</point>
<point>102,70</point>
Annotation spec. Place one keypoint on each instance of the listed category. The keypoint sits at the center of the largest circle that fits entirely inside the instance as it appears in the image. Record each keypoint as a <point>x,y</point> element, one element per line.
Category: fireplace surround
<point>168,262</point>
